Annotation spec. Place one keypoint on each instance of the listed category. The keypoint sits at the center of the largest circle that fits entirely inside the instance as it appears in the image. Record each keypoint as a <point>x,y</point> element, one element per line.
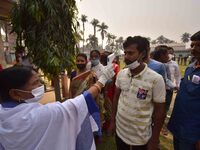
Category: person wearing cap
<point>184,123</point>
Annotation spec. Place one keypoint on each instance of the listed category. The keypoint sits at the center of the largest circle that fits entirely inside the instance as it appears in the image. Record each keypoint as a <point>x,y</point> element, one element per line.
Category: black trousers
<point>123,146</point>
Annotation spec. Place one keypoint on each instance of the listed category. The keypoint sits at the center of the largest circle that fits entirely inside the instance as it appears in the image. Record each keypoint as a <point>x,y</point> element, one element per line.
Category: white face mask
<point>133,65</point>
<point>37,93</point>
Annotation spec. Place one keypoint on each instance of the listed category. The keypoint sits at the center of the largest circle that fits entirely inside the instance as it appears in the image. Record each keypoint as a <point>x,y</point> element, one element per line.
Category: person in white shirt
<point>139,101</point>
<point>27,125</point>
<point>98,69</point>
<point>96,65</point>
<point>174,68</point>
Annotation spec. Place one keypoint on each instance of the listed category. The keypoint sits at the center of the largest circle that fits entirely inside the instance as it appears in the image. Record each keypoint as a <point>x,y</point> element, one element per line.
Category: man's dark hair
<point>195,37</point>
<point>82,55</point>
<point>170,49</point>
<point>141,42</point>
<point>160,50</point>
<point>13,78</point>
<point>95,51</point>
<point>152,54</point>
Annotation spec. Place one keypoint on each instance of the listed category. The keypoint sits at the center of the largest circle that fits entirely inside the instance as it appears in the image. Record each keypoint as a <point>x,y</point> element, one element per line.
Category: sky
<point>150,18</point>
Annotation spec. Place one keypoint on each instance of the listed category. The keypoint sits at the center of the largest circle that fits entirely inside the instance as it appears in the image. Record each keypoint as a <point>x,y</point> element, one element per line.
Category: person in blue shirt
<point>184,123</point>
<point>157,67</point>
<point>161,54</point>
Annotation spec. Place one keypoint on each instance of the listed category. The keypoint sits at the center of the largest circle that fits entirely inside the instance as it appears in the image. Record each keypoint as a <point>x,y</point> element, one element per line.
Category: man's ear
<point>142,57</point>
<point>14,95</point>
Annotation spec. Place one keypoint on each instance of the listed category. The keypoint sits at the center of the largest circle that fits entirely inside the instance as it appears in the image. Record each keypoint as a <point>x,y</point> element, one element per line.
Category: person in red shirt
<point>1,68</point>
<point>109,89</point>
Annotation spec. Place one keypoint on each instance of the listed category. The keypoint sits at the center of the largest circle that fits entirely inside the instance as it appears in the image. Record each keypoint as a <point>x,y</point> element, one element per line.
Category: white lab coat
<point>55,126</point>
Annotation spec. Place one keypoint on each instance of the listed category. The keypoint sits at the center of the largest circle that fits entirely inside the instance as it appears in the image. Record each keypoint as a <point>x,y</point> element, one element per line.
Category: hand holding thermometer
<point>111,57</point>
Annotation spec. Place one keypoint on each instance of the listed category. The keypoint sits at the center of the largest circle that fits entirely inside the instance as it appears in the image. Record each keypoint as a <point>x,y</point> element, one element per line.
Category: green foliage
<point>49,31</point>
<point>93,41</point>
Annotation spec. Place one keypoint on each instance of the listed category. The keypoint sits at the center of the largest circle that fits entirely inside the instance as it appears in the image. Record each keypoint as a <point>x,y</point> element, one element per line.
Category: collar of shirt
<point>194,65</point>
<point>139,74</point>
<point>10,104</point>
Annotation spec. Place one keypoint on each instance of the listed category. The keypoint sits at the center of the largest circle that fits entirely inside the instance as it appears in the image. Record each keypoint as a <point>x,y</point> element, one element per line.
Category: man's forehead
<point>131,47</point>
<point>94,54</point>
<point>196,41</point>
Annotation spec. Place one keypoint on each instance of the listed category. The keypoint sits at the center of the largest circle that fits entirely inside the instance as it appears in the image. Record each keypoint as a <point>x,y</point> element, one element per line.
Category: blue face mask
<point>95,62</point>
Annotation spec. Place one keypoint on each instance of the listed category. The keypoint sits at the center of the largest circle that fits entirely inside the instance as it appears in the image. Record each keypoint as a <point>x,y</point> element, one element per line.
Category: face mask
<point>95,62</point>
<point>81,66</point>
<point>170,56</point>
<point>37,93</point>
<point>133,65</point>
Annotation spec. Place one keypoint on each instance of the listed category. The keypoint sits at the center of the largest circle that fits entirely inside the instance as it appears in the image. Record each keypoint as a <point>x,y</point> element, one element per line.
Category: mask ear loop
<point>23,91</point>
<point>141,57</point>
<point>20,100</point>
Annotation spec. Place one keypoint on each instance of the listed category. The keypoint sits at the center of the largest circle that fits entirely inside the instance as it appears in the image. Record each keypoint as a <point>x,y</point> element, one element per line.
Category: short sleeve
<point>159,90</point>
<point>163,71</point>
<point>94,112</point>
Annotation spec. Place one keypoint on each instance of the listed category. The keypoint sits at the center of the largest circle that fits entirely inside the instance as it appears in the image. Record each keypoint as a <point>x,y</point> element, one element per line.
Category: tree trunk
<point>57,88</point>
<point>94,31</point>
<point>65,88</point>
<point>83,42</point>
<point>83,37</point>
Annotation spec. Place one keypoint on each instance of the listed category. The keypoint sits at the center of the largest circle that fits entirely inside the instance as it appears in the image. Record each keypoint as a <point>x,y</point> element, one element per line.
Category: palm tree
<point>95,23</point>
<point>102,29</point>
<point>112,44</point>
<point>153,42</point>
<point>84,20</point>
<point>93,41</point>
<point>114,37</point>
<point>109,37</point>
<point>185,37</point>
<point>161,39</point>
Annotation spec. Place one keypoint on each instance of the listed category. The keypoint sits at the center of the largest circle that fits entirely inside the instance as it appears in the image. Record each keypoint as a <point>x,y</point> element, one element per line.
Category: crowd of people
<point>130,103</point>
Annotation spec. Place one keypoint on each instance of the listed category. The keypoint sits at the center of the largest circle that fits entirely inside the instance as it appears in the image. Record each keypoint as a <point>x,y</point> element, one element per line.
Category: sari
<point>81,83</point>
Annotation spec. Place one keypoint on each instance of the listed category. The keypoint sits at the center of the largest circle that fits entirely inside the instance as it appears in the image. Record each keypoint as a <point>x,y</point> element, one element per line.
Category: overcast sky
<point>150,18</point>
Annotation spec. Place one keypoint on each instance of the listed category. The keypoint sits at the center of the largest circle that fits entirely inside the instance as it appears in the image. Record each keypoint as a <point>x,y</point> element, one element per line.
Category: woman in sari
<point>81,79</point>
